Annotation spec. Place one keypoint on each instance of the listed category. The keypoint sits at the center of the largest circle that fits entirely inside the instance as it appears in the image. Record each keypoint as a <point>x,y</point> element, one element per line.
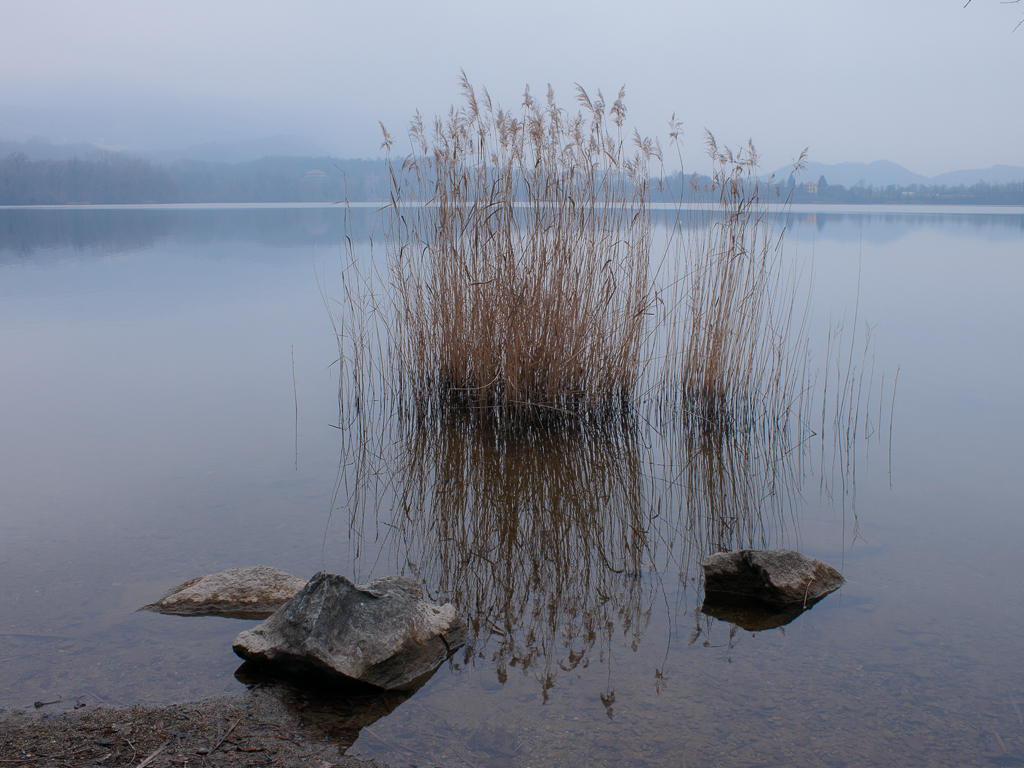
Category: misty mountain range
<point>38,172</point>
<point>209,152</point>
<point>881,173</point>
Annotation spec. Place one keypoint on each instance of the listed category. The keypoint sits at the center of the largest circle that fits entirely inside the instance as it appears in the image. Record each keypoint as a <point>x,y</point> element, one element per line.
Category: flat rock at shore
<point>254,592</point>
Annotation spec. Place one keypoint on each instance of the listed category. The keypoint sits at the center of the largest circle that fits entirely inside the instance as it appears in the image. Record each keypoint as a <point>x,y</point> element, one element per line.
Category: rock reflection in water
<point>553,542</point>
<point>753,616</point>
<point>339,714</point>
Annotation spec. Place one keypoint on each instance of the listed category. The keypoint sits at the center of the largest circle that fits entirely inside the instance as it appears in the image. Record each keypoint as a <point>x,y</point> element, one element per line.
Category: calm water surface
<point>153,431</point>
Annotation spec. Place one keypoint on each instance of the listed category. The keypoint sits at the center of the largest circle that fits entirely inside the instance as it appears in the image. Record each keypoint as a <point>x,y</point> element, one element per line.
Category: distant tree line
<point>119,179</point>
<point>698,189</point>
<point>281,180</point>
<point>917,194</point>
<point>111,179</point>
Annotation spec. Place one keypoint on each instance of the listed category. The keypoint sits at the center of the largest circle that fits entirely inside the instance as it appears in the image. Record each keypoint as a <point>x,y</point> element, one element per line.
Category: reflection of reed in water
<point>551,543</point>
<point>735,487</point>
<point>543,539</point>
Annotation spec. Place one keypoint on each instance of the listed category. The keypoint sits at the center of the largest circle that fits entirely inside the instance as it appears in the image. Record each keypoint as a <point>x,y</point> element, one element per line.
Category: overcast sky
<point>929,84</point>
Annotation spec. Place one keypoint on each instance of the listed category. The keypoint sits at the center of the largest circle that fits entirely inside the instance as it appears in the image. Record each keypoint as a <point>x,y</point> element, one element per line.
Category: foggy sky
<point>928,84</point>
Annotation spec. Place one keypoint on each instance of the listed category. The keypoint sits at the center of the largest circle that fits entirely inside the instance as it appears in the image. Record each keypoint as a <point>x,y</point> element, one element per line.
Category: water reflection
<point>752,616</point>
<point>25,232</point>
<point>556,543</point>
<point>337,715</point>
<point>738,486</point>
<point>544,540</point>
<point>99,231</point>
<point>870,676</point>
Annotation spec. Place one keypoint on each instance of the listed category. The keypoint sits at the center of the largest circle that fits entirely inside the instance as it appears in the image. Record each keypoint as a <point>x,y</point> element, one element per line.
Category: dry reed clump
<point>520,284</point>
<point>733,342</point>
<point>519,254</point>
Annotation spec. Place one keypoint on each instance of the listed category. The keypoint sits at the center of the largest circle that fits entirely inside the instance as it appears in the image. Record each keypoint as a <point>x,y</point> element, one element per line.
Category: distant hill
<point>239,151</point>
<point>39,173</point>
<point>115,178</point>
<point>883,173</point>
<point>44,149</point>
<point>880,173</point>
<point>211,152</point>
<point>997,174</point>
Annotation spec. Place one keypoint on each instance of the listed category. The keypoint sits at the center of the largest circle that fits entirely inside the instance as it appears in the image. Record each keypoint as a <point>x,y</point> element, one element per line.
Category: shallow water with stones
<point>154,431</point>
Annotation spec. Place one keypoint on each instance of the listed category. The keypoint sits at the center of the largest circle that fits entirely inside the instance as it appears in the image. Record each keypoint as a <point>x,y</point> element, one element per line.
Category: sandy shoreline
<point>268,725</point>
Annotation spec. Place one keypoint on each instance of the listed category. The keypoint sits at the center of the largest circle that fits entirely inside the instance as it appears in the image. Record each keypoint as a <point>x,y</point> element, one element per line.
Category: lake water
<point>167,411</point>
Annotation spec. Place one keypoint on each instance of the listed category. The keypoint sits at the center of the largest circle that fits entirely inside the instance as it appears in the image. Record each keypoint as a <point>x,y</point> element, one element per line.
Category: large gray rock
<point>779,577</point>
<point>240,593</point>
<point>382,633</point>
